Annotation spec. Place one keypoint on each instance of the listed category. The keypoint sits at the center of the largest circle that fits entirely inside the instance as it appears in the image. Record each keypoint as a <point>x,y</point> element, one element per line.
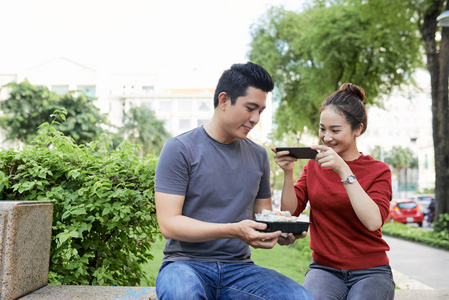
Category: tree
<point>377,153</point>
<point>436,45</point>
<point>402,159</point>
<point>29,106</point>
<point>26,108</point>
<point>84,121</point>
<point>311,53</point>
<point>142,127</point>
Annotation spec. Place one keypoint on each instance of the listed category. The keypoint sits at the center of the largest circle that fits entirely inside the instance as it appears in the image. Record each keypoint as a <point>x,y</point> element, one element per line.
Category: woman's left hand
<point>288,239</point>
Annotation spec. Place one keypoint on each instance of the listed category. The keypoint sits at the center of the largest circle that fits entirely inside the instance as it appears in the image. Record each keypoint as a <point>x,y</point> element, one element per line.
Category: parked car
<point>405,211</point>
<point>424,201</point>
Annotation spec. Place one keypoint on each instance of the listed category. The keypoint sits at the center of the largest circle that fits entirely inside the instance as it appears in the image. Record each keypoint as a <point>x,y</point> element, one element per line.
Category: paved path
<point>418,266</point>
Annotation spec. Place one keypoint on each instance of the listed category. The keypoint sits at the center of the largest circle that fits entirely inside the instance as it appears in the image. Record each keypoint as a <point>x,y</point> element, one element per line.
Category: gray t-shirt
<point>220,183</point>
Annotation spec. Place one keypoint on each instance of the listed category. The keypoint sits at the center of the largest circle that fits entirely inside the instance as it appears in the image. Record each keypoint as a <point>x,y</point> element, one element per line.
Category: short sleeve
<point>265,188</point>
<point>172,170</point>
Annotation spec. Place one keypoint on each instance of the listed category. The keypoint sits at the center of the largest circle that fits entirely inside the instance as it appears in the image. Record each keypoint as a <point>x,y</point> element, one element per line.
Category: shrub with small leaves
<point>416,234</point>
<point>104,219</point>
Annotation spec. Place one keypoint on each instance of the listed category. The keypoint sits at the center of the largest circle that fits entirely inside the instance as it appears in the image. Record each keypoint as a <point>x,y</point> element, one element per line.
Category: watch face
<point>351,179</point>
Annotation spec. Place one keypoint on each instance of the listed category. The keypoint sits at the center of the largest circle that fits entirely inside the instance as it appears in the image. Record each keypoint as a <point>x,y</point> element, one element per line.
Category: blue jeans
<point>329,283</point>
<point>200,280</point>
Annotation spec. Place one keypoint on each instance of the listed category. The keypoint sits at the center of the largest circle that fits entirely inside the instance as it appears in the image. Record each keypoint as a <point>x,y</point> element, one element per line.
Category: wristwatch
<point>350,179</point>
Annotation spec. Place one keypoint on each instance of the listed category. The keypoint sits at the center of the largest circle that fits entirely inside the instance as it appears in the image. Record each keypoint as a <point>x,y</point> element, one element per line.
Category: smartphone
<point>300,152</point>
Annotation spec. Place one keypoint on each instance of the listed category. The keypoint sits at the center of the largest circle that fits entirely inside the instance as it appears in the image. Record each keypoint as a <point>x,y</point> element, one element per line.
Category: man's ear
<point>222,100</point>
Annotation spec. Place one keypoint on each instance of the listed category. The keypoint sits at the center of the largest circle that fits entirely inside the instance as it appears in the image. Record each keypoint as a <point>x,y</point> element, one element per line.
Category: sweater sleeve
<point>381,191</point>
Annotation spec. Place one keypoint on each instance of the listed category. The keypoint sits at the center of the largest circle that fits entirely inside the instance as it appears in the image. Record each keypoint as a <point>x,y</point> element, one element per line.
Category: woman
<point>349,195</point>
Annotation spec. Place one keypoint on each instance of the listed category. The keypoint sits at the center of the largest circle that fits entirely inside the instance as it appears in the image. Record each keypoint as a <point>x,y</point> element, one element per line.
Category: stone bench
<point>25,239</point>
<point>70,292</point>
<point>84,292</point>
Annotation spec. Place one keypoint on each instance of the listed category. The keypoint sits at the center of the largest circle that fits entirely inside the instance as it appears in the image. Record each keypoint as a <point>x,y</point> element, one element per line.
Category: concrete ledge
<point>85,292</point>
<point>421,294</point>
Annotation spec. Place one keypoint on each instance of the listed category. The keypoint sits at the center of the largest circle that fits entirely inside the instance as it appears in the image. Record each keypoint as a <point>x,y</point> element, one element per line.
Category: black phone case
<point>300,152</point>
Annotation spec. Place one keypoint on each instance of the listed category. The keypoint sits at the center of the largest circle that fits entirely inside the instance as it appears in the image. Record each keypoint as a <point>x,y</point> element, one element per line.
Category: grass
<point>151,268</point>
<point>292,261</point>
<point>286,260</point>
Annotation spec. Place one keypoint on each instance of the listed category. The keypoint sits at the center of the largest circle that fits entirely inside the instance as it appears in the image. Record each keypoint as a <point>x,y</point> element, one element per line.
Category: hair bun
<point>354,90</point>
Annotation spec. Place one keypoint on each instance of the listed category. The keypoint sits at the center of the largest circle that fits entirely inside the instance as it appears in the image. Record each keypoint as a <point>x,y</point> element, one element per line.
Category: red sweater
<point>337,237</point>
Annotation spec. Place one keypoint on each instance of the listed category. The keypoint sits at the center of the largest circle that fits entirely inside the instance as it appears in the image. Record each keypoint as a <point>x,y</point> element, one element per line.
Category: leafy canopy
<point>29,106</point>
<point>141,126</point>
<point>311,53</point>
<point>401,158</point>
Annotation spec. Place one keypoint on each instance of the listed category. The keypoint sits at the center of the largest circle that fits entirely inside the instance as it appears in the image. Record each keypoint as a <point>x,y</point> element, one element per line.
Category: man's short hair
<point>236,80</point>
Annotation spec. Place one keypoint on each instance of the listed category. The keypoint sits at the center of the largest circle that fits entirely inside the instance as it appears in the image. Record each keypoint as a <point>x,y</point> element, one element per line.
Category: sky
<point>186,42</point>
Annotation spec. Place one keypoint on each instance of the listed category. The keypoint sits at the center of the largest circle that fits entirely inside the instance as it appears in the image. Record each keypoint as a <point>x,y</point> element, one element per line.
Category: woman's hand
<point>283,160</point>
<point>288,239</point>
<point>329,158</point>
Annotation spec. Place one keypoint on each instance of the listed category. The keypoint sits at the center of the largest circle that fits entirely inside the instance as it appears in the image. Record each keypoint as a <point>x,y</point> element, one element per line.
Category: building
<point>181,109</point>
<point>405,120</point>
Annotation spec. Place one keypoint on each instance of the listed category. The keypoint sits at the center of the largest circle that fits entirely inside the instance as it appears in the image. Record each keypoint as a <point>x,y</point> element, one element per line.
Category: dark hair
<point>236,80</point>
<point>348,101</point>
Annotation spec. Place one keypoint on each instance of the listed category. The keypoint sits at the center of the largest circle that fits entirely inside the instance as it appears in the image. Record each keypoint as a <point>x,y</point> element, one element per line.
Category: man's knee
<point>178,281</point>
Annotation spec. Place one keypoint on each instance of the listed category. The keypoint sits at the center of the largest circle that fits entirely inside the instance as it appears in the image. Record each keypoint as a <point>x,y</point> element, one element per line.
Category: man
<point>209,183</point>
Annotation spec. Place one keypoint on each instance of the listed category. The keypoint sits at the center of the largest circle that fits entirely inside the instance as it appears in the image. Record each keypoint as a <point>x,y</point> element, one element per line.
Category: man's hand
<point>288,239</point>
<point>248,231</point>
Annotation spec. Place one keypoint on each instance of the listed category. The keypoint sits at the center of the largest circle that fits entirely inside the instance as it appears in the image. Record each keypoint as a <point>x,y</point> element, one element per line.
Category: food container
<point>286,227</point>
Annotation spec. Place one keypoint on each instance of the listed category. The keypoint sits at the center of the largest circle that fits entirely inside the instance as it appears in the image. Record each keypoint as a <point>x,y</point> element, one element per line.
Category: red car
<point>405,211</point>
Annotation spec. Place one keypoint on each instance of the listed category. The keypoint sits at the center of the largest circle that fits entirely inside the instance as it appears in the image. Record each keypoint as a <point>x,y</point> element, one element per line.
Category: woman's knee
<point>374,287</point>
<point>324,285</point>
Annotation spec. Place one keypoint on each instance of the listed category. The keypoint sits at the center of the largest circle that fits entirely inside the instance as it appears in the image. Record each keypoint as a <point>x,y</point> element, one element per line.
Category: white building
<point>406,121</point>
<point>181,109</point>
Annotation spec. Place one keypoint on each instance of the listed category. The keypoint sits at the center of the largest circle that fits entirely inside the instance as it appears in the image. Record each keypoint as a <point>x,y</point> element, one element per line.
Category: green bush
<point>104,217</point>
<point>416,234</point>
<point>442,226</point>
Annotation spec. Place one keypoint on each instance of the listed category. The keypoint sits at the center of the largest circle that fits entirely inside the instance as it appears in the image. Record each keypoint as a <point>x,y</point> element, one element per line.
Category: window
<point>185,106</point>
<point>167,124</point>
<point>184,123</point>
<point>148,105</point>
<point>148,89</point>
<point>88,89</point>
<point>60,89</point>
<point>406,205</point>
<point>201,122</point>
<point>204,106</point>
<point>165,106</point>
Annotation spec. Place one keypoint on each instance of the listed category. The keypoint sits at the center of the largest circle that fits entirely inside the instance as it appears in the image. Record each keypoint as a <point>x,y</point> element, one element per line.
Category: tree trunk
<point>438,66</point>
